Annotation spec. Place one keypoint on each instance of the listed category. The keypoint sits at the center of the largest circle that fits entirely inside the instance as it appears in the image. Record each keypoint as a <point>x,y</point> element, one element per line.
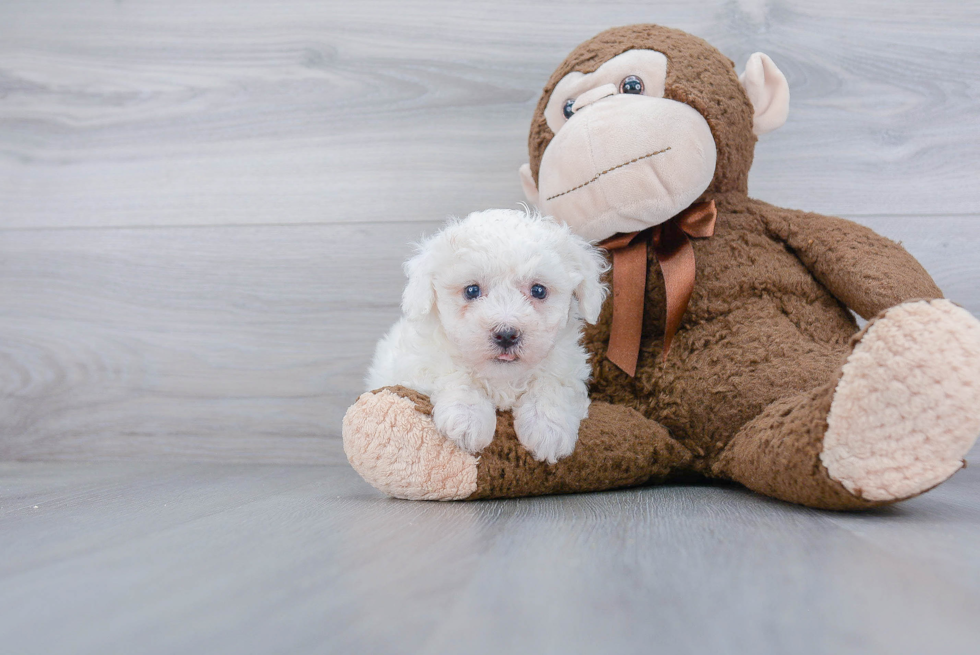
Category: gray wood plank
<point>236,343</point>
<point>42,507</point>
<point>937,532</point>
<point>204,343</point>
<point>190,113</point>
<point>255,559</point>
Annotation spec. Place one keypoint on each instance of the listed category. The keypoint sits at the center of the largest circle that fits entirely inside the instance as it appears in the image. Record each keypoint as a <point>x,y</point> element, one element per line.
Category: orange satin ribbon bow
<point>672,247</point>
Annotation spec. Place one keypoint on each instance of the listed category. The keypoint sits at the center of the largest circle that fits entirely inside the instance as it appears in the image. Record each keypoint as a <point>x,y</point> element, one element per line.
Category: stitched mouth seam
<point>608,170</point>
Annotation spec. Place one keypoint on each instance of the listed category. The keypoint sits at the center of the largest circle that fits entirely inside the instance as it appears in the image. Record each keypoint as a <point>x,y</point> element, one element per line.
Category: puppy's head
<point>503,284</point>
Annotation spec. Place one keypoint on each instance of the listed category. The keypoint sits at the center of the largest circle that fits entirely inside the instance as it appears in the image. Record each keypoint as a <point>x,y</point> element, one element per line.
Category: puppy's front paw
<point>549,437</point>
<point>469,426</point>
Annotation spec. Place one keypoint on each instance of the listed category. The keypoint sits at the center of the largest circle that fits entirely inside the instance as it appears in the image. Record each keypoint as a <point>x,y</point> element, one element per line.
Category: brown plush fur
<point>617,447</point>
<point>760,326</point>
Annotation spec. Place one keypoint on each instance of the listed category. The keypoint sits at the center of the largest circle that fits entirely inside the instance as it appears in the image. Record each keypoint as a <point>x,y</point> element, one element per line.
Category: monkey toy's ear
<point>768,91</point>
<point>527,181</point>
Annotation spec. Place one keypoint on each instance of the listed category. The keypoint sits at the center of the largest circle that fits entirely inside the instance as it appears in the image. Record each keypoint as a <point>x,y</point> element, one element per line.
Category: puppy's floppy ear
<point>419,296</point>
<point>589,264</point>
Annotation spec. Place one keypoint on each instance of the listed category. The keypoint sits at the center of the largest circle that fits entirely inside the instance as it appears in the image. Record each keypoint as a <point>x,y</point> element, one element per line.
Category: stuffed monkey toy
<point>727,349</point>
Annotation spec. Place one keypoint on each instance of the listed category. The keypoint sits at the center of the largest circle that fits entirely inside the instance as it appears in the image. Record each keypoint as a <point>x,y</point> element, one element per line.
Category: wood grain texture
<point>136,113</point>
<point>214,343</point>
<point>124,557</point>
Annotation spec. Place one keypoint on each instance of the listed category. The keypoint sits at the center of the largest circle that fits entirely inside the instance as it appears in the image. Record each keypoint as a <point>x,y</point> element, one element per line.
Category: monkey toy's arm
<point>861,268</point>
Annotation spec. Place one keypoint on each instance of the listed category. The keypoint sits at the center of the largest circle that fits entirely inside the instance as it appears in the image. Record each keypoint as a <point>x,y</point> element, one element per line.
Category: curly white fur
<point>444,345</point>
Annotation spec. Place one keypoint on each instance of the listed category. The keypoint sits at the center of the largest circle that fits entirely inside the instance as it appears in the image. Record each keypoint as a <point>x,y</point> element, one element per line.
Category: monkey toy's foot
<point>898,420</point>
<point>391,440</point>
<point>907,407</point>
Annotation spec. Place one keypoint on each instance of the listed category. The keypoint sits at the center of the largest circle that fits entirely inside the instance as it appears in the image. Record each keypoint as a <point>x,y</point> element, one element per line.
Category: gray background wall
<point>204,206</point>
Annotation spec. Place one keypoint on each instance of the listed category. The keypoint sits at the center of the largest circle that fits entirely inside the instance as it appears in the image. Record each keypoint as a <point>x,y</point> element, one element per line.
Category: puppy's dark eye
<point>631,84</point>
<point>472,292</point>
<point>539,292</point>
<point>567,110</point>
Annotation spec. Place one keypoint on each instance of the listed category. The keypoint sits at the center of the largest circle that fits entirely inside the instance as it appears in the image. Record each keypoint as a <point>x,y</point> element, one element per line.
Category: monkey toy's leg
<point>898,420</point>
<point>390,439</point>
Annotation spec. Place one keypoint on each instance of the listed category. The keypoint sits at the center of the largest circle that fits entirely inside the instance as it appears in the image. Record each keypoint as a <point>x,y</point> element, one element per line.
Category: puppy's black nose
<point>506,337</point>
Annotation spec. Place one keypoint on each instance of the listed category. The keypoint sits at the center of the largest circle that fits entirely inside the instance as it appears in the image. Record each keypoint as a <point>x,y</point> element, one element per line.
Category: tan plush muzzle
<point>614,167</point>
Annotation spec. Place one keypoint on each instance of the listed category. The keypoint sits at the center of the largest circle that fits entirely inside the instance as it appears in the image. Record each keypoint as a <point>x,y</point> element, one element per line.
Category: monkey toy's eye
<point>539,292</point>
<point>472,292</point>
<point>631,84</point>
<point>568,108</point>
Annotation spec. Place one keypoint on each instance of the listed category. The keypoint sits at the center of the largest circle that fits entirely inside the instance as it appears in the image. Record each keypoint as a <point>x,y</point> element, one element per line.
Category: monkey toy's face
<point>624,155</point>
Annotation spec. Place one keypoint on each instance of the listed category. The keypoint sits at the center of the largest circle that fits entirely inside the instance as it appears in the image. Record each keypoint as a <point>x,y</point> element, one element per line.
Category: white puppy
<point>492,319</point>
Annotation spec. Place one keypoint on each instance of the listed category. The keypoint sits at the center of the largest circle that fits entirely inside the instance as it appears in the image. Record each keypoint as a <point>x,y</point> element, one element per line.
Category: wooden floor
<point>204,208</point>
<point>246,558</point>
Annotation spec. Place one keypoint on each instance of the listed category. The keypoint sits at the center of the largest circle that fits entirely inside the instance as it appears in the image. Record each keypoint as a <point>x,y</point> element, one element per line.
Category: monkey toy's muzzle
<point>624,163</point>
